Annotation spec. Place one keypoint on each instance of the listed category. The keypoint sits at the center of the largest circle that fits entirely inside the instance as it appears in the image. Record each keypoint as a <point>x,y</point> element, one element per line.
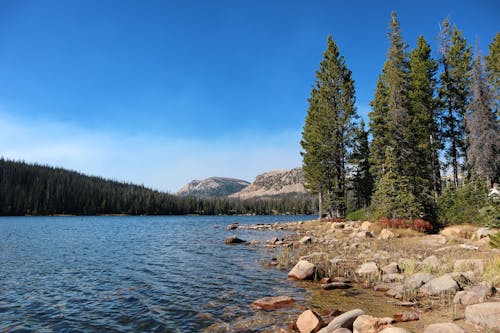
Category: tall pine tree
<point>328,132</point>
<point>483,153</point>
<point>424,108</point>
<point>455,94</point>
<point>493,70</point>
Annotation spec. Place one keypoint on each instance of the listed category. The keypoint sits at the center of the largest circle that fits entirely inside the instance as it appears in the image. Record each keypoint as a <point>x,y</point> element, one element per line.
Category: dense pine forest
<point>30,189</point>
<point>432,148</point>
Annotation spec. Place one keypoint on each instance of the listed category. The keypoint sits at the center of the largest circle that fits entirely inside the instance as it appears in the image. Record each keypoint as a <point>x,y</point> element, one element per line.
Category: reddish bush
<point>416,224</point>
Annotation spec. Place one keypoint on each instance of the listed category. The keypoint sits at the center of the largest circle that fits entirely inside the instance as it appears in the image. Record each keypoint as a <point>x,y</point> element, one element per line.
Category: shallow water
<point>117,274</point>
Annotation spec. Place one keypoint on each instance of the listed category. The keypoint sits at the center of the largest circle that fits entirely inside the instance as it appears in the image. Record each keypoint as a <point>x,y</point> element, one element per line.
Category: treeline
<point>31,189</point>
<point>430,118</point>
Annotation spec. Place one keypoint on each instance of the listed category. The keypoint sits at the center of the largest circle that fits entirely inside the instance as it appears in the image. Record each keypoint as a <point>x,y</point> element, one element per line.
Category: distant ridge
<point>274,183</point>
<point>213,187</point>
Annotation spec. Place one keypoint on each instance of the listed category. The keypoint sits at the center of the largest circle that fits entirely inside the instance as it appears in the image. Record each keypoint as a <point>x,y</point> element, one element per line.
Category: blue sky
<point>162,92</point>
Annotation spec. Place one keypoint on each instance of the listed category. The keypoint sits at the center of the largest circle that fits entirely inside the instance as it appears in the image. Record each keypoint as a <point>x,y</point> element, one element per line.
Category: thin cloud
<point>159,162</point>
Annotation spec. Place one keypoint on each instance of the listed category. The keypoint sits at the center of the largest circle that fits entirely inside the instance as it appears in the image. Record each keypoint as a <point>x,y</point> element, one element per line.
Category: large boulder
<point>369,324</point>
<point>392,268</point>
<point>303,270</point>
<point>309,322</point>
<point>485,314</point>
<point>417,280</point>
<point>345,320</point>
<point>273,303</point>
<point>368,268</point>
<point>444,328</point>
<point>442,284</point>
<point>474,295</point>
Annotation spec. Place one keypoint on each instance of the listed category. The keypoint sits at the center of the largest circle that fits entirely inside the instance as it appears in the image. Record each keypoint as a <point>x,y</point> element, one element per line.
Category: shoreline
<point>459,255</point>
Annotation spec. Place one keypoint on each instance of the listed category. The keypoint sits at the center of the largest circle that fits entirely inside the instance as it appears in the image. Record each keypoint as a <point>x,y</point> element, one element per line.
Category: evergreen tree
<point>379,128</point>
<point>425,167</point>
<point>393,197</point>
<point>483,149</point>
<point>493,69</point>
<point>454,93</point>
<point>362,180</point>
<point>328,131</point>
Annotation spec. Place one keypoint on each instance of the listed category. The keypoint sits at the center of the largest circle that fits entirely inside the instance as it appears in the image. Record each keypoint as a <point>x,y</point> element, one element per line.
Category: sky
<point>163,92</point>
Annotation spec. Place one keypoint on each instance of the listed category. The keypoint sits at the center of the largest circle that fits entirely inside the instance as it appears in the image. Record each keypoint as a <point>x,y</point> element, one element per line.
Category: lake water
<point>132,274</point>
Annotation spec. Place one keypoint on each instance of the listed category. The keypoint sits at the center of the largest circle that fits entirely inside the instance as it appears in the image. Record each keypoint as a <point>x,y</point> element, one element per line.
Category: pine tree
<point>424,130</point>
<point>393,197</point>
<point>362,180</point>
<point>455,94</point>
<point>328,131</point>
<point>379,128</point>
<point>483,149</point>
<point>493,70</point>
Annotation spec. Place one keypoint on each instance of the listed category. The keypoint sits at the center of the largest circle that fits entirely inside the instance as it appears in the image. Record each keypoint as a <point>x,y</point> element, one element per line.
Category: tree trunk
<point>320,206</point>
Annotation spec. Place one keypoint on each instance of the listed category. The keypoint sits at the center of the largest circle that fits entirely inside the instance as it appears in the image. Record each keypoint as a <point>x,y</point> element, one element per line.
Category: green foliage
<point>328,131</point>
<point>495,240</point>
<point>462,205</point>
<point>358,215</point>
<point>393,197</point>
<point>493,69</point>
<point>362,180</point>
<point>490,214</point>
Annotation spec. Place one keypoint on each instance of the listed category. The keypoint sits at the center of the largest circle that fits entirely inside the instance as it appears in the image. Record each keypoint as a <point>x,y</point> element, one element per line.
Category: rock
<point>462,265</point>
<point>341,279</point>
<point>393,267</point>
<point>305,240</point>
<point>474,295</point>
<point>342,330</point>
<point>234,240</point>
<point>309,322</point>
<point>468,247</point>
<point>363,234</point>
<point>345,320</point>
<point>273,303</point>
<point>439,285</point>
<point>325,280</point>
<point>232,226</point>
<point>482,232</point>
<point>336,285</point>
<point>366,225</point>
<point>406,316</point>
<point>444,328</point>
<point>303,270</point>
<point>255,242</point>
<point>486,315</point>
<point>431,262</point>
<point>433,240</point>
<point>397,291</point>
<point>385,234</point>
<point>417,280</point>
<point>394,330</point>
<point>393,277</point>
<point>272,241</point>
<point>369,324</point>
<point>369,268</point>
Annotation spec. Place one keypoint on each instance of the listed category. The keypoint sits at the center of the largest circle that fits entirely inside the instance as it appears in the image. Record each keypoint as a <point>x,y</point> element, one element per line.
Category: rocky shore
<point>365,278</point>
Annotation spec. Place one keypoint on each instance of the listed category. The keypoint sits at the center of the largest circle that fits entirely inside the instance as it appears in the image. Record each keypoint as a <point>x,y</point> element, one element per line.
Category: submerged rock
<point>273,303</point>
<point>336,285</point>
<point>234,240</point>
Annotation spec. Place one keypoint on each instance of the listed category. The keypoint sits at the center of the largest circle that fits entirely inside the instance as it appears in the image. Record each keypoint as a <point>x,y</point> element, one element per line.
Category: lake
<point>132,274</point>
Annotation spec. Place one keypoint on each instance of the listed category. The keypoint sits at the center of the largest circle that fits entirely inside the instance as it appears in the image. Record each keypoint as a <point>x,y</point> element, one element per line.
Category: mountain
<point>213,187</point>
<point>274,183</point>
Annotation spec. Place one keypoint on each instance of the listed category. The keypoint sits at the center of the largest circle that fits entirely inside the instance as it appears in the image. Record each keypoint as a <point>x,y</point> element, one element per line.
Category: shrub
<point>495,240</point>
<point>358,215</point>
<point>415,224</point>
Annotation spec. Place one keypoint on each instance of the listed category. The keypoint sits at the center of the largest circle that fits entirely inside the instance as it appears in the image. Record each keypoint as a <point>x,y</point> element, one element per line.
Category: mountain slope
<point>274,183</point>
<point>213,187</point>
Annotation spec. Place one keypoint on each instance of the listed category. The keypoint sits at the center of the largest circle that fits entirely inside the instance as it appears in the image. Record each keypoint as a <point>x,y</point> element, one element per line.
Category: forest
<point>432,148</point>
<point>31,189</point>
